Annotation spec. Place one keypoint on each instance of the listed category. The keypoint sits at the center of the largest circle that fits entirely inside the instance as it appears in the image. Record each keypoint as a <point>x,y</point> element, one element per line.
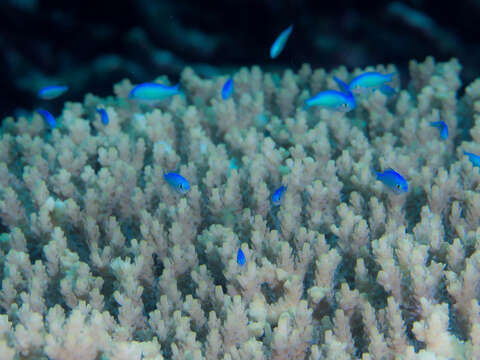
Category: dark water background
<point>90,45</point>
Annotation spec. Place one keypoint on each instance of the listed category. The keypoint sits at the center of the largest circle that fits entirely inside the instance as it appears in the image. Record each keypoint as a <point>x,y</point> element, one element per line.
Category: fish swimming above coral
<point>48,117</point>
<point>52,92</point>
<point>151,92</point>
<point>333,100</point>
<point>367,82</point>
<point>279,43</point>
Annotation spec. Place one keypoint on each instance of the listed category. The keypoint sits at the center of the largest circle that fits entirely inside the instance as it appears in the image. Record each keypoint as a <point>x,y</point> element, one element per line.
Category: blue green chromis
<point>49,118</point>
<point>371,81</point>
<point>393,180</point>
<point>153,92</point>
<point>278,195</point>
<point>333,100</point>
<point>443,128</point>
<point>280,42</point>
<point>227,89</point>
<point>103,115</point>
<point>474,159</point>
<point>240,257</point>
<point>177,182</point>
<point>52,92</point>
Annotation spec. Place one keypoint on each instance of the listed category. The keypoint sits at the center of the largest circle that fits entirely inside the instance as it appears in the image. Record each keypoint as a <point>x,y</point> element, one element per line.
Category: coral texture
<point>101,259</point>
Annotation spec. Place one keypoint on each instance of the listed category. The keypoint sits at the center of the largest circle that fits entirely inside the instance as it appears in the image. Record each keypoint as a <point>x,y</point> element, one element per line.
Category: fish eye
<point>398,186</point>
<point>180,186</point>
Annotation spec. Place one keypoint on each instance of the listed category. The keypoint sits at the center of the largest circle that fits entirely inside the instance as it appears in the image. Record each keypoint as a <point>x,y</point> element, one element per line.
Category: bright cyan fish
<point>333,99</point>
<point>280,42</point>
<point>153,92</point>
<point>371,81</point>
<point>393,180</point>
<point>52,92</point>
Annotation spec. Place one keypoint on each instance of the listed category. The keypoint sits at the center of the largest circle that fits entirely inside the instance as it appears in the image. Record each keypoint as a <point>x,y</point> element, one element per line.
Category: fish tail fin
<point>342,84</point>
<point>177,88</point>
<point>387,90</point>
<point>353,102</point>
<point>389,76</point>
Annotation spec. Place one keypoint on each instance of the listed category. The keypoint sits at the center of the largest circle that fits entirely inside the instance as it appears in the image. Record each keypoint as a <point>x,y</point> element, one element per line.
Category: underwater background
<point>93,44</point>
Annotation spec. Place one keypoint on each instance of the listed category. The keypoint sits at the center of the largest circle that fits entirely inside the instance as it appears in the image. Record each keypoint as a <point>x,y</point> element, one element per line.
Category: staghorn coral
<point>100,259</point>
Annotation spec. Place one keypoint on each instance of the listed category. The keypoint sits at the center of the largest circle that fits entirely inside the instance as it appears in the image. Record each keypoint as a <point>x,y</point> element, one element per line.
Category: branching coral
<point>101,259</point>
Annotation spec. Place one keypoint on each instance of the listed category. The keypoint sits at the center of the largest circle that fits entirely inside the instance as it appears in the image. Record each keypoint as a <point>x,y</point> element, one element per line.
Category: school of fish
<point>342,100</point>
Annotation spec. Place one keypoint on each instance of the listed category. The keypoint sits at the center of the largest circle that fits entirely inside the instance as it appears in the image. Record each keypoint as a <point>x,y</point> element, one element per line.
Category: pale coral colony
<point>102,259</point>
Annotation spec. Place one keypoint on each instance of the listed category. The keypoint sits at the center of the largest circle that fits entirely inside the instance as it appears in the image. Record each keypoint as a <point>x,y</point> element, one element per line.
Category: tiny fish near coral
<point>443,128</point>
<point>178,182</point>
<point>474,159</point>
<point>103,115</point>
<point>278,195</point>
<point>227,89</point>
<point>371,81</point>
<point>153,92</point>
<point>332,99</point>
<point>393,180</point>
<point>240,257</point>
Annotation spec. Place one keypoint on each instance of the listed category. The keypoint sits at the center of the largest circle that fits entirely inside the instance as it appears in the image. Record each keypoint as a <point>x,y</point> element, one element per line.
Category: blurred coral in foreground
<point>100,259</point>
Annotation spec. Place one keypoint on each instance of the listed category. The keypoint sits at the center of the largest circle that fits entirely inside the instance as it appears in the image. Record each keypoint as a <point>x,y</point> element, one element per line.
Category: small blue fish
<point>227,89</point>
<point>153,92</point>
<point>385,89</point>
<point>280,42</point>
<point>474,159</point>
<point>393,180</point>
<point>178,182</point>
<point>240,257</point>
<point>103,115</point>
<point>443,128</point>
<point>278,195</point>
<point>49,118</point>
<point>371,81</point>
<point>333,99</point>
<point>52,92</point>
